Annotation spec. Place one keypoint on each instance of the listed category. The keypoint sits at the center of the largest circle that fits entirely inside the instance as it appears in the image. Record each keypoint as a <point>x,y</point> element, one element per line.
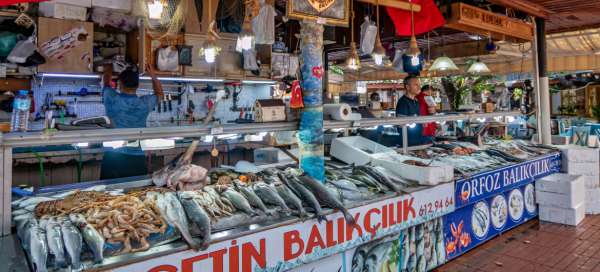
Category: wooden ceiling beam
<point>394,4</point>
<point>524,6</point>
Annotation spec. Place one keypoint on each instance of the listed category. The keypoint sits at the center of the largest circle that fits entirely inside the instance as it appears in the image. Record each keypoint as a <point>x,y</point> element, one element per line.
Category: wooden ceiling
<point>570,15</point>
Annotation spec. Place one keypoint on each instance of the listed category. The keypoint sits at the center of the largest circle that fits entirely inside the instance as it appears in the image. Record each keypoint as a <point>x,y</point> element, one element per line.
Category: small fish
<point>325,197</point>
<point>269,195</point>
<point>343,184</point>
<point>73,242</point>
<point>56,245</point>
<point>238,201</point>
<point>305,194</point>
<point>252,198</point>
<point>93,239</point>
<point>198,216</point>
<point>38,248</point>
<point>173,212</point>
<point>290,198</point>
<point>33,201</point>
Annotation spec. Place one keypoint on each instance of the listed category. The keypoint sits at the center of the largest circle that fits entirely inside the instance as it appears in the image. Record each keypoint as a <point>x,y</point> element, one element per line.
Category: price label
<point>216,130</point>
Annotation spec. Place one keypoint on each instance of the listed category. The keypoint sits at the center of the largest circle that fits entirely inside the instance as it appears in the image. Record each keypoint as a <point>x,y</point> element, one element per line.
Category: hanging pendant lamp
<point>353,60</point>
<point>210,49</point>
<point>413,48</point>
<point>478,67</point>
<point>246,38</point>
<point>443,63</point>
<point>378,52</point>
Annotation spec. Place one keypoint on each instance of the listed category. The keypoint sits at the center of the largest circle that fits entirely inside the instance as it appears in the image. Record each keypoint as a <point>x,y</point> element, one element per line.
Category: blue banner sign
<point>484,185</point>
<point>472,225</point>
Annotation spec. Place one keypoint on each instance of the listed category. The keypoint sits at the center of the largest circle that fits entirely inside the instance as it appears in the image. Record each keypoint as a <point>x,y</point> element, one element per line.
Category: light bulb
<point>414,60</point>
<point>412,125</point>
<point>155,9</point>
<point>210,54</point>
<point>378,59</point>
<point>353,64</point>
<point>210,50</point>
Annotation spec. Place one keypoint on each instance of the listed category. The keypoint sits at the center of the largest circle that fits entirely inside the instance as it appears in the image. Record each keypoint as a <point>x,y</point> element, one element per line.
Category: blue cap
<point>23,92</point>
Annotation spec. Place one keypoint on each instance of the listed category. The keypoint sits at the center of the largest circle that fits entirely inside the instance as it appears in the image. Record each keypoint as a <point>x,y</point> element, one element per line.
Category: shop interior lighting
<point>208,139</point>
<point>227,136</point>
<point>58,75</point>
<point>157,144</point>
<point>443,64</point>
<point>353,61</point>
<point>269,82</point>
<point>210,49</point>
<point>498,118</point>
<point>155,9</point>
<point>440,123</point>
<point>378,52</point>
<point>481,120</point>
<point>185,79</point>
<point>413,49</point>
<point>510,119</point>
<point>114,144</point>
<point>246,38</point>
<point>81,145</point>
<point>478,67</point>
<point>412,125</point>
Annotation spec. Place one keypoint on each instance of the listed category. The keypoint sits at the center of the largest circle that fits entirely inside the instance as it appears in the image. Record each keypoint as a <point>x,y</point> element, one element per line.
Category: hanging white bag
<point>167,59</point>
<point>368,33</point>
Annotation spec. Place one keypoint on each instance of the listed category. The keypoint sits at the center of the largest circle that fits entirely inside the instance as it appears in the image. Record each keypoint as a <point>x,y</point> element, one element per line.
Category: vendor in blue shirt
<point>408,105</point>
<point>127,110</point>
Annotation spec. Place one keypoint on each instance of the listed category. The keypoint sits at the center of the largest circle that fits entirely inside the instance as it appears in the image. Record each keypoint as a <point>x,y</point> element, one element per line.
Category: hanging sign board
<point>328,12</point>
<point>290,246</point>
<point>475,20</point>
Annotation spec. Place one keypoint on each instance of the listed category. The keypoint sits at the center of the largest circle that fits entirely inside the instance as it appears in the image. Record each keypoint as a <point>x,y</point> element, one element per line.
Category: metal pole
<point>6,175</point>
<point>542,78</point>
<point>310,133</point>
<point>405,139</point>
<point>536,85</point>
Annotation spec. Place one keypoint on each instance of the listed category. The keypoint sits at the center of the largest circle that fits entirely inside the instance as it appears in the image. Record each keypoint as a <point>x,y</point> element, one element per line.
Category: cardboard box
<point>62,11</point>
<point>120,5</point>
<point>567,216</point>
<point>576,153</point>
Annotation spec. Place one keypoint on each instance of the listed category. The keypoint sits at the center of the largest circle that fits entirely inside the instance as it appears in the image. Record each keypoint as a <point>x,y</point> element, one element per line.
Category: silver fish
<point>252,198</point>
<point>290,198</point>
<point>93,239</point>
<point>344,184</point>
<point>38,248</point>
<point>174,214</point>
<point>56,245</point>
<point>198,216</point>
<point>269,195</point>
<point>73,242</point>
<point>238,201</point>
<point>306,195</point>
<point>33,201</point>
<point>325,197</point>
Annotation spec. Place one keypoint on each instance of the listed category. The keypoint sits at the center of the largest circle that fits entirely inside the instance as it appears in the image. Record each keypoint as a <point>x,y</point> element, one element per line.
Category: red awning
<point>12,2</point>
<point>426,20</point>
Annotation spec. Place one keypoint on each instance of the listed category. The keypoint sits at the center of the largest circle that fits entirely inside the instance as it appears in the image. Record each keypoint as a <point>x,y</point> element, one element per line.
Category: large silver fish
<point>238,201</point>
<point>326,197</point>
<point>56,245</point>
<point>290,198</point>
<point>252,198</point>
<point>173,212</point>
<point>38,248</point>
<point>198,216</point>
<point>93,239</point>
<point>269,195</point>
<point>73,242</point>
<point>309,198</point>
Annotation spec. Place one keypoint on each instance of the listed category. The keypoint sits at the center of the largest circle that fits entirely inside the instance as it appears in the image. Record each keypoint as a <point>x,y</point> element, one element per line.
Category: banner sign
<point>478,222</point>
<point>484,185</point>
<point>290,246</point>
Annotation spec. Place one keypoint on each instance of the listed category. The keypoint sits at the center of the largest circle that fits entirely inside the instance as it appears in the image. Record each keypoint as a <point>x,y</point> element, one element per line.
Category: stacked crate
<point>561,198</point>
<point>584,161</point>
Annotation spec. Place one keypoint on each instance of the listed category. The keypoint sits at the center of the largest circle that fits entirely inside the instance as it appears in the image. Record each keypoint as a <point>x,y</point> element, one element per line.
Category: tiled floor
<point>536,246</point>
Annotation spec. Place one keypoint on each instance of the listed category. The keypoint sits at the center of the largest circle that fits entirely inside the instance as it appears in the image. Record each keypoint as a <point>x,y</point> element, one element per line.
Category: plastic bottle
<point>20,114</point>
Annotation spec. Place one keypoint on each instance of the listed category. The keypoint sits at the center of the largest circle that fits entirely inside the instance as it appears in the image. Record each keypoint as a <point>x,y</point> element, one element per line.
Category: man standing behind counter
<point>124,108</point>
<point>408,105</point>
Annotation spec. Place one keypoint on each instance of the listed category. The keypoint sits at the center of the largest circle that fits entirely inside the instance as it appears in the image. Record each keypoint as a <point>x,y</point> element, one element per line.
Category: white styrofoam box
<point>567,216</point>
<point>560,183</point>
<point>356,149</point>
<point>433,174</point>
<point>79,3</point>
<point>592,181</point>
<point>62,11</point>
<point>120,5</point>
<point>581,168</point>
<point>560,200</point>
<point>576,153</point>
<point>592,195</point>
<point>592,207</point>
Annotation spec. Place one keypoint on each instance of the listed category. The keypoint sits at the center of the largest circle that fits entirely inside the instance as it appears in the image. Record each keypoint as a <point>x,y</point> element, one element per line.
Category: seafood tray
<point>357,150</point>
<point>425,173</point>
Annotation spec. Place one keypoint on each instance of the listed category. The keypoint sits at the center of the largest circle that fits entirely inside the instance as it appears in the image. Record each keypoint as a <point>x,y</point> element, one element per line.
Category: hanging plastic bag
<point>263,24</point>
<point>368,33</point>
<point>296,96</point>
<point>167,59</point>
<point>250,63</point>
<point>22,51</point>
<point>397,62</point>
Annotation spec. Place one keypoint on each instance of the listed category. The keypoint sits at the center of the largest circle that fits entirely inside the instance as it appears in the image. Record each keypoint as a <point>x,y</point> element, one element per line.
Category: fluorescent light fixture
<point>176,138</point>
<point>510,119</point>
<point>440,123</point>
<point>412,125</point>
<point>81,144</point>
<point>498,118</point>
<point>208,139</point>
<point>262,134</point>
<point>388,126</point>
<point>58,75</point>
<point>185,79</point>
<point>253,138</point>
<point>157,144</point>
<point>258,82</point>
<point>226,136</point>
<point>481,120</point>
<point>114,144</point>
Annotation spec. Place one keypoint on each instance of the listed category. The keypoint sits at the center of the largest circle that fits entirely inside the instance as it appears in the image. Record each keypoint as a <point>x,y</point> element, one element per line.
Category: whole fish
<point>38,248</point>
<point>173,212</point>
<point>325,197</point>
<point>238,201</point>
<point>33,201</point>
<point>309,198</point>
<point>382,178</point>
<point>198,216</point>
<point>73,242</point>
<point>269,195</point>
<point>376,259</point>
<point>343,184</point>
<point>252,198</point>
<point>93,239</point>
<point>56,245</point>
<point>290,199</point>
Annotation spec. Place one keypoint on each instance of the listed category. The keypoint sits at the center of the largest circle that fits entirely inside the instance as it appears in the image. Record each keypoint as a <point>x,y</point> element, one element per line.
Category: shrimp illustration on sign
<point>459,239</point>
<point>57,47</point>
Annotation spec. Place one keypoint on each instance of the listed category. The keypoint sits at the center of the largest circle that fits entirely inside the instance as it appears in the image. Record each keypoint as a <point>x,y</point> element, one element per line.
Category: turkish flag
<point>12,2</point>
<point>427,19</point>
